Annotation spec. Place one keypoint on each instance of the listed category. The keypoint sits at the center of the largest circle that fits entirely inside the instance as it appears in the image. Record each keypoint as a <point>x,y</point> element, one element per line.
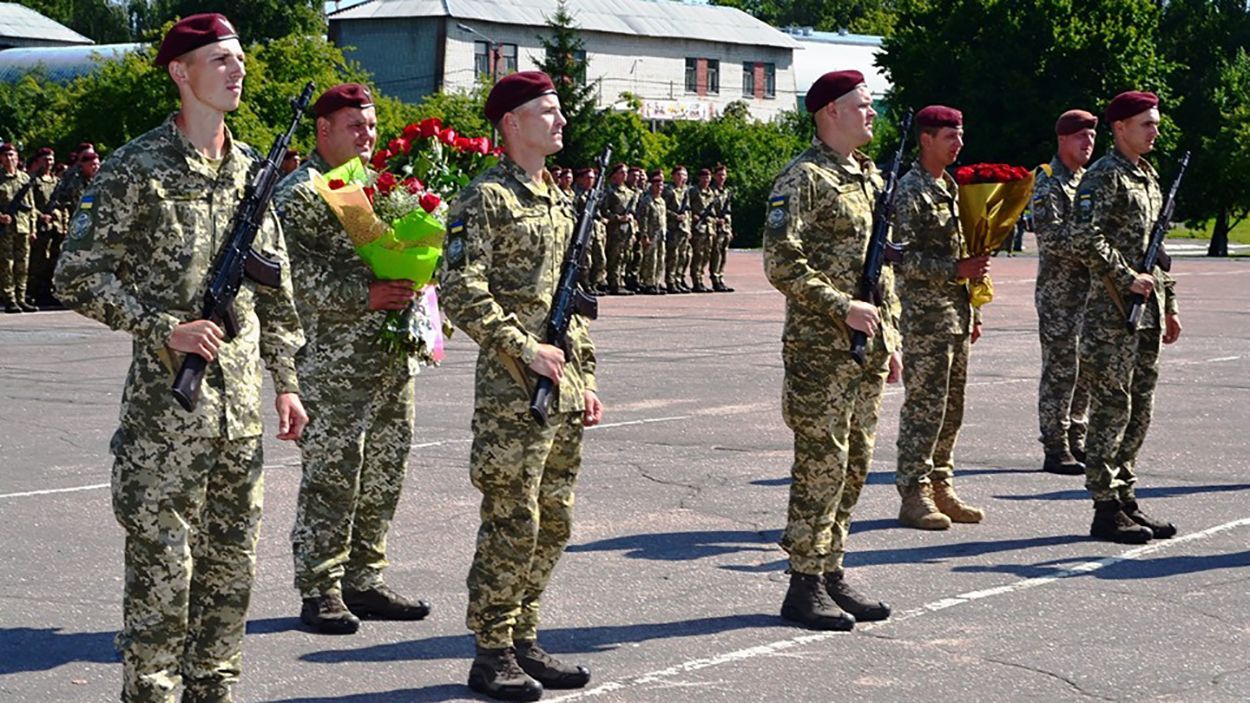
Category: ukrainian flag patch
<point>87,202</point>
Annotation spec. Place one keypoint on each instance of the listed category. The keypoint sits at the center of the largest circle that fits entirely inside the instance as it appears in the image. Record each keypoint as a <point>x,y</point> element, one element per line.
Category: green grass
<point>1239,234</point>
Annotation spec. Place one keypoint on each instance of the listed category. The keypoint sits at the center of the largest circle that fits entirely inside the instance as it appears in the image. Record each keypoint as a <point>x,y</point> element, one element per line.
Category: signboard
<point>678,110</point>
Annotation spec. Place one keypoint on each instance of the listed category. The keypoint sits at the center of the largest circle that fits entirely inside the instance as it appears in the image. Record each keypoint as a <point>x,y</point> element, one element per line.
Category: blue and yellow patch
<point>455,249</point>
<point>87,202</point>
<point>777,211</point>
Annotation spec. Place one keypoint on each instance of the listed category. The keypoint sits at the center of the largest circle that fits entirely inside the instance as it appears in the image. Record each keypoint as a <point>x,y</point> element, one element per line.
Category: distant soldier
<point>938,323</point>
<point>16,231</point>
<point>703,203</point>
<point>1116,206</point>
<point>723,231</point>
<point>508,233</point>
<point>49,230</point>
<point>291,161</point>
<point>637,182</point>
<point>616,207</point>
<point>1062,284</point>
<point>677,248</point>
<point>594,277</point>
<point>819,221</point>
<point>359,395</point>
<point>652,220</point>
<point>83,164</point>
<point>566,181</point>
<point>187,485</point>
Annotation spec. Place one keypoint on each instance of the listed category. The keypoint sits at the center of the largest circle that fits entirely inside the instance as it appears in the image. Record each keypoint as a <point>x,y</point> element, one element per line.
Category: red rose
<point>369,191</point>
<point>430,127</point>
<point>336,183</point>
<point>412,185</point>
<point>430,202</point>
<point>399,145</point>
<point>412,132</point>
<point>386,182</point>
<point>963,175</point>
<point>481,145</point>
<point>461,143</point>
<point>447,136</point>
<point>380,157</point>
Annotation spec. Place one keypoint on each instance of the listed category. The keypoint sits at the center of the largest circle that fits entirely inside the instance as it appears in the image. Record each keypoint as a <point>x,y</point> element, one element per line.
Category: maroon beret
<point>7,148</point>
<point>830,87</point>
<point>88,155</point>
<point>84,146</point>
<point>44,151</point>
<point>290,154</point>
<point>936,116</point>
<point>1128,104</point>
<point>1074,121</point>
<point>341,96</point>
<point>636,169</point>
<point>705,172</point>
<point>515,90</point>
<point>616,168</point>
<point>656,174</point>
<point>192,32</point>
<point>578,173</point>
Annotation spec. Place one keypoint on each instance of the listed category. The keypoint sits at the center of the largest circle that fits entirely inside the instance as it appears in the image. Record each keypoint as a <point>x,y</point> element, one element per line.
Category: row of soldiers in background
<point>35,205</point>
<point>650,235</point>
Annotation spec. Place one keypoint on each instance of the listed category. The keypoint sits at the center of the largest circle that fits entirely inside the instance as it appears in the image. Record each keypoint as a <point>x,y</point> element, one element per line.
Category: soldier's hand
<point>5,219</point>
<point>976,333</point>
<point>47,219</point>
<point>863,317</point>
<point>973,268</point>
<point>896,368</point>
<point>594,410</point>
<point>549,362</point>
<point>391,295</point>
<point>1172,328</point>
<point>201,337</point>
<point>1144,284</point>
<point>292,419</point>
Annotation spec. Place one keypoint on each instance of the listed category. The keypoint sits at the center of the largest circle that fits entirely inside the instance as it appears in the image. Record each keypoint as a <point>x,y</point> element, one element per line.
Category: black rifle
<point>237,260</point>
<point>1154,251</point>
<point>15,205</point>
<point>569,298</point>
<point>879,246</point>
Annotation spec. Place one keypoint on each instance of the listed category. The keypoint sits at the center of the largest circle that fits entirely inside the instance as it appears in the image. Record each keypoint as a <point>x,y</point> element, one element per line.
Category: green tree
<point>859,16</point>
<point>564,59</point>
<point>256,20</point>
<point>103,21</point>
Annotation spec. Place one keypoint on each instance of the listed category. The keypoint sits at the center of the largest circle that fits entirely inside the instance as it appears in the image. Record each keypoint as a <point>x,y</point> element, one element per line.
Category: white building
<point>821,52</point>
<point>684,61</point>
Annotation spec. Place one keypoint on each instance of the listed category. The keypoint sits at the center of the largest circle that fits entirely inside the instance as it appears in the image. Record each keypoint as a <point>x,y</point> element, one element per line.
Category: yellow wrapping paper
<point>989,212</point>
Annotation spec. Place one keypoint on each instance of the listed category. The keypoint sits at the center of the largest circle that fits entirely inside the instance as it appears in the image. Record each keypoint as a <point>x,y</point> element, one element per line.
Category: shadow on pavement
<point>429,694</point>
<point>1142,493</point>
<point>42,649</point>
<point>1127,570</point>
<point>269,626</point>
<point>683,546</point>
<point>886,478</point>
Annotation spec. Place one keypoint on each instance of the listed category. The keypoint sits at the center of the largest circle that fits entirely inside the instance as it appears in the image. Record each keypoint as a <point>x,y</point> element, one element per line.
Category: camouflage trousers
<point>832,405</point>
<point>191,510</point>
<point>701,254</point>
<point>597,271</point>
<point>14,259</point>
<point>43,255</point>
<point>676,257</point>
<point>651,270</point>
<point>935,373</point>
<point>355,454</point>
<point>1122,377</point>
<point>1062,395</point>
<point>526,475</point>
<point>619,242</point>
<point>718,255</point>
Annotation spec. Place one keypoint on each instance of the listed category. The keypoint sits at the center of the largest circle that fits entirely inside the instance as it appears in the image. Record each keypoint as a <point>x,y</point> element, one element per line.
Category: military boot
<point>1110,523</point>
<point>852,601</point>
<point>328,615</point>
<point>952,507</point>
<point>546,669</point>
<point>496,673</point>
<point>382,603</point>
<point>918,509</point>
<point>27,306</point>
<point>808,603</point>
<point>1160,529</point>
<point>12,307</point>
<point>1063,463</point>
<point>672,289</point>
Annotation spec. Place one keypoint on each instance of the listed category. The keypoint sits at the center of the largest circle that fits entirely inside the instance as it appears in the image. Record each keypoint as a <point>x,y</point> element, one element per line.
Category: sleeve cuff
<point>285,380</point>
<point>158,329</point>
<point>529,350</point>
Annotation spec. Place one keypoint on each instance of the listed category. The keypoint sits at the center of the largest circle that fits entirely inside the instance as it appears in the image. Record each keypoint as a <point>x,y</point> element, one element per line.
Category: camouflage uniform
<point>359,399</point>
<point>1116,205</point>
<point>616,202</point>
<point>936,325</point>
<point>595,274</point>
<point>677,246</point>
<point>15,237</point>
<point>70,189</point>
<point>506,242</point>
<point>703,235</point>
<point>633,256</point>
<point>651,223</point>
<point>187,486</point>
<point>48,237</point>
<point>815,241</point>
<point>1062,284</point>
<point>723,235</point>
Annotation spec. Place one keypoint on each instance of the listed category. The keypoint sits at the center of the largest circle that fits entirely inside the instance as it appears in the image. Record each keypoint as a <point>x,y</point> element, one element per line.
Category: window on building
<point>748,79</point>
<point>770,80</point>
<point>692,75</point>
<point>579,60</point>
<point>713,76</point>
<point>506,61</point>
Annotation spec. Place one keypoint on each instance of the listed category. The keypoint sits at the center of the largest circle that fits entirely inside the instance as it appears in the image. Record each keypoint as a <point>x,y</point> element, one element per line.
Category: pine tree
<point>565,61</point>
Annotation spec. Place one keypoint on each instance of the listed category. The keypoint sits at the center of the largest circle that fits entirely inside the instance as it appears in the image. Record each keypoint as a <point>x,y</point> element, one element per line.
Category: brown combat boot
<point>918,509</point>
<point>952,507</point>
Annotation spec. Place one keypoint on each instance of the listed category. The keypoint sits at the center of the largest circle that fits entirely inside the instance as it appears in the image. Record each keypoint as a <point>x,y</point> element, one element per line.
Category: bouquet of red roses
<point>442,160</point>
<point>991,198</point>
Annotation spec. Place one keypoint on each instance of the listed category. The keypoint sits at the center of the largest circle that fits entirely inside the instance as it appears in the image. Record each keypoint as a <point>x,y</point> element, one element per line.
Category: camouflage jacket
<point>1116,206</point>
<point>331,285</point>
<point>1051,205</point>
<point>617,201</point>
<point>700,200</point>
<point>926,221</point>
<point>674,198</point>
<point>23,220</point>
<point>69,191</point>
<point>139,250</point>
<point>45,185</point>
<point>652,216</point>
<point>724,209</point>
<point>505,245</point>
<point>815,241</point>
<point>580,198</point>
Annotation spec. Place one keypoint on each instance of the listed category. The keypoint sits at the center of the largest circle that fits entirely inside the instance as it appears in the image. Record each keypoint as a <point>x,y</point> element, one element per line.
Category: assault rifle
<point>16,205</point>
<point>237,259</point>
<point>879,246</point>
<point>569,298</point>
<point>1154,251</point>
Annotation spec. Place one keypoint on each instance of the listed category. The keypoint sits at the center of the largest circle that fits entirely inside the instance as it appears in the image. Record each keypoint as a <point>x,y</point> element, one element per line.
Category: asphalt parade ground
<point>672,584</point>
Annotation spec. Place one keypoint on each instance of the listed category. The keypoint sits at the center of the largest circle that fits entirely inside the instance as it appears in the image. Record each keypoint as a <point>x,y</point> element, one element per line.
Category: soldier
<point>652,219</point>
<point>49,230</point>
<point>677,248</point>
<point>616,207</point>
<point>815,240</point>
<point>1116,206</point>
<point>594,278</point>
<point>290,161</point>
<point>637,183</point>
<point>16,231</point>
<point>566,181</point>
<point>1062,283</point>
<point>509,232</point>
<point>723,232</point>
<point>84,165</point>
<point>187,486</point>
<point>359,395</point>
<point>938,324</point>
<point>703,206</point>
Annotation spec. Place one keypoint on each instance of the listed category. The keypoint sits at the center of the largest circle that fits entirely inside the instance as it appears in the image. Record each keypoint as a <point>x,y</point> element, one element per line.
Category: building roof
<point>60,64</point>
<point>650,18</point>
<point>22,26</point>
<point>807,34</point>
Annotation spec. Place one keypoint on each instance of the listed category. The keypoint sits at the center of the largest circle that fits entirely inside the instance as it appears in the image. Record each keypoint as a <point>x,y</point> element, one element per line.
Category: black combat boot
<point>852,601</point>
<point>1063,463</point>
<point>546,669</point>
<point>496,673</point>
<point>672,289</point>
<point>382,603</point>
<point>1078,451</point>
<point>1160,529</point>
<point>808,603</point>
<point>12,307</point>
<point>1110,523</point>
<point>328,615</point>
<point>27,306</point>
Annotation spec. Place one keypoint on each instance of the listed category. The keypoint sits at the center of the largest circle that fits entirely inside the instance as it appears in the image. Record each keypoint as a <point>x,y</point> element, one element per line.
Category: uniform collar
<point>856,164</point>
<point>946,185</point>
<point>1141,169</point>
<point>196,161</point>
<point>511,168</point>
<point>1060,170</point>
<point>316,161</point>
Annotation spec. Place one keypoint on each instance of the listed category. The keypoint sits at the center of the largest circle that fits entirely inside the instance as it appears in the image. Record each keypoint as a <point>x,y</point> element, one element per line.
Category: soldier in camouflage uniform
<point>723,230</point>
<point>938,323</point>
<point>703,206</point>
<point>85,165</point>
<point>594,277</point>
<point>616,208</point>
<point>359,395</point>
<point>187,486</point>
<point>1062,283</point>
<point>508,233</point>
<point>49,230</point>
<point>652,220</point>
<point>1116,206</point>
<point>637,183</point>
<point>677,247</point>
<point>815,242</point>
<point>16,231</point>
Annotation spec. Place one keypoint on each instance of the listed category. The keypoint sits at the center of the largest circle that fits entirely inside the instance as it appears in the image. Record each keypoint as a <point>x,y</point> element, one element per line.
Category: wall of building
<point>403,54</point>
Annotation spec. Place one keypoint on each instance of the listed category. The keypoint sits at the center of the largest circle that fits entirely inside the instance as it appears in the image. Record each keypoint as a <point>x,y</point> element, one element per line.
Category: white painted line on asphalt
<point>50,491</point>
<point>646,421</point>
<point>664,675</point>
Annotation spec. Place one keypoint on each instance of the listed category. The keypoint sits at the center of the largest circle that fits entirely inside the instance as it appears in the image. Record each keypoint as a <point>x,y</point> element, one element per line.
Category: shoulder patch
<point>777,211</point>
<point>80,225</point>
<point>87,202</point>
<point>1084,204</point>
<point>455,245</point>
